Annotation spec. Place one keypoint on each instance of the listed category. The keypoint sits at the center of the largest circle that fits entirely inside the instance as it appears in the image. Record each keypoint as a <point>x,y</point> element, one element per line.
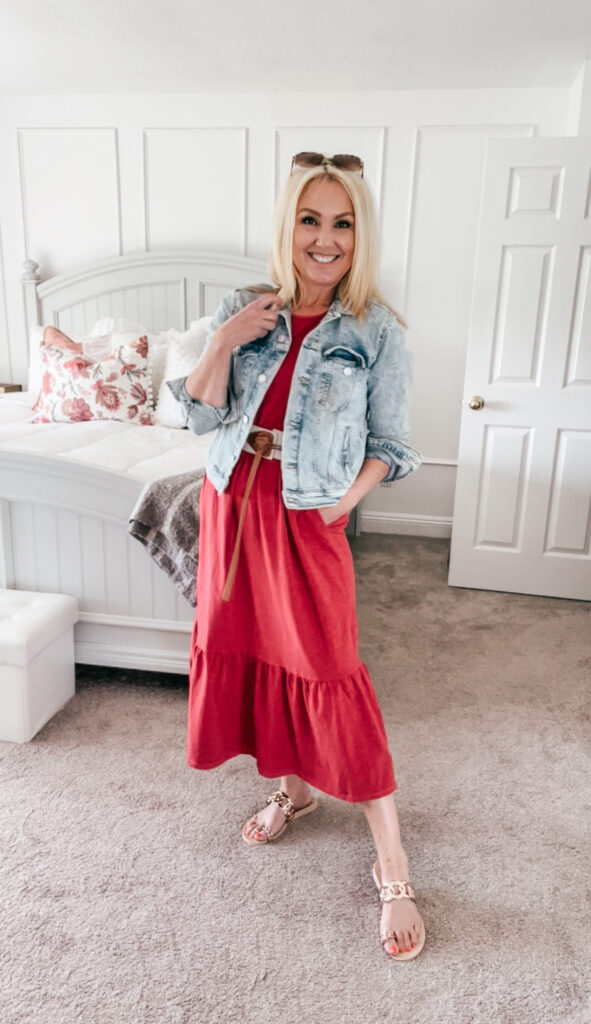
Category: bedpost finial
<point>30,268</point>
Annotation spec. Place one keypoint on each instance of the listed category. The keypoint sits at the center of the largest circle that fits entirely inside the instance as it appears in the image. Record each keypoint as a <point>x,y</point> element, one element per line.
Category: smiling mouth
<point>322,259</point>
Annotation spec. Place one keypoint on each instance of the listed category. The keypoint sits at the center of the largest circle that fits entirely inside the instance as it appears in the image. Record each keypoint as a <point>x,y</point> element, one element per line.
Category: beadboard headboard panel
<point>156,289</point>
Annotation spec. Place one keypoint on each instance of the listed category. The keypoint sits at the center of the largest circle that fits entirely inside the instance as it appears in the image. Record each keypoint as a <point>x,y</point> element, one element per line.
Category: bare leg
<point>299,793</point>
<point>400,916</point>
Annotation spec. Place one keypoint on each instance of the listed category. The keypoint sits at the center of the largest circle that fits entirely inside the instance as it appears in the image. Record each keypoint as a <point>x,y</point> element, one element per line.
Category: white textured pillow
<point>115,325</point>
<point>182,355</point>
<point>158,349</point>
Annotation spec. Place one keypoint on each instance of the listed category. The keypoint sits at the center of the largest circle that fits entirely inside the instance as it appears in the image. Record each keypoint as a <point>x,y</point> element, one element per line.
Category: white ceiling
<point>97,46</point>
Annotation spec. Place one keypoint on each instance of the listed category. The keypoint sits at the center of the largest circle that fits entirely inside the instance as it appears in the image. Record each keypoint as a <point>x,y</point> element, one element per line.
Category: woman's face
<point>325,227</point>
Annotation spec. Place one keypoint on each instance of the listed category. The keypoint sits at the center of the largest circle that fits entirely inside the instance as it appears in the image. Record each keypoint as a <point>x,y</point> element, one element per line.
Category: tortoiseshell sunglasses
<point>344,161</point>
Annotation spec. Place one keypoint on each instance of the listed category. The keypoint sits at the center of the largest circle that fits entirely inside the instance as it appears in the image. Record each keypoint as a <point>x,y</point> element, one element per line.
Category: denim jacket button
<point>245,418</point>
<point>347,370</point>
<point>261,377</point>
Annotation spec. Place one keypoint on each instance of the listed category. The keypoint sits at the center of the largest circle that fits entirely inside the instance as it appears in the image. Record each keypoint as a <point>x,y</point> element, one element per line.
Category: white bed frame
<point>63,526</point>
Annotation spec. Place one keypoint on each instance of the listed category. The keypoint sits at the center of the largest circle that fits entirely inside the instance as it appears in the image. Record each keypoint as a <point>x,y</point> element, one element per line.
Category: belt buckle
<point>263,430</point>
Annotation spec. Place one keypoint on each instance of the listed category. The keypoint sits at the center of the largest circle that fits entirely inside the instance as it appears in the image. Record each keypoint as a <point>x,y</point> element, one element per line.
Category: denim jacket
<point>348,401</point>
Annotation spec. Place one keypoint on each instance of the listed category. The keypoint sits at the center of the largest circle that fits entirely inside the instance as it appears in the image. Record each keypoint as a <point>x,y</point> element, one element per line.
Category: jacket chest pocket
<point>342,378</point>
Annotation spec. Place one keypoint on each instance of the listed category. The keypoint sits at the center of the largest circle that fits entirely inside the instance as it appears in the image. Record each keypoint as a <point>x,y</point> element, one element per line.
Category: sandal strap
<point>263,828</point>
<point>396,891</point>
<point>281,798</point>
<point>386,936</point>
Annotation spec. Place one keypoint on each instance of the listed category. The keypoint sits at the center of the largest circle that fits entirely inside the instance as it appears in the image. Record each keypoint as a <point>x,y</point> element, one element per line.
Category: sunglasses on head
<point>344,161</point>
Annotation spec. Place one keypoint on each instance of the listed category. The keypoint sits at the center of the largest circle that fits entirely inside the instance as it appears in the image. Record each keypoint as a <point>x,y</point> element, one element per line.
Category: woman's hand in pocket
<point>331,513</point>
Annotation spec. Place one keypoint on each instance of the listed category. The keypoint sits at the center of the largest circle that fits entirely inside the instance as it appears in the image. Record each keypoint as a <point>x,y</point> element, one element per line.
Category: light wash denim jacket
<point>348,400</point>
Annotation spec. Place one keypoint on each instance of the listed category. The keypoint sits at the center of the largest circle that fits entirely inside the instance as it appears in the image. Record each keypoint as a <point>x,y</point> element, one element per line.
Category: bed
<point>67,489</point>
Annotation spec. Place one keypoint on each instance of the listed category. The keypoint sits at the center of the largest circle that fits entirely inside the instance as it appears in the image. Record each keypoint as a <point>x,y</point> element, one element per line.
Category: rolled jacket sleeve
<point>388,399</point>
<point>200,416</point>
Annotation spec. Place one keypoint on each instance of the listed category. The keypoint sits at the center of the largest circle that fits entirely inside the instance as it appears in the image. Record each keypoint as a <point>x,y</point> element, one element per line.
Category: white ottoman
<point>36,660</point>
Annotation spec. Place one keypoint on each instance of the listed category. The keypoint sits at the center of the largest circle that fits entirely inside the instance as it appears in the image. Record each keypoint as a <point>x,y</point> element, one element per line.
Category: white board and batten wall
<point>90,177</point>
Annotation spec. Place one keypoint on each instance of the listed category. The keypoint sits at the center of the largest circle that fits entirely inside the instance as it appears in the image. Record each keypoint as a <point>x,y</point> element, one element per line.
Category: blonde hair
<point>357,288</point>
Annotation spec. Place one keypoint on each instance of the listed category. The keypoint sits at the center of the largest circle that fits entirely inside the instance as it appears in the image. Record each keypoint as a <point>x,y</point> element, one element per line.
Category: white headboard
<point>157,289</point>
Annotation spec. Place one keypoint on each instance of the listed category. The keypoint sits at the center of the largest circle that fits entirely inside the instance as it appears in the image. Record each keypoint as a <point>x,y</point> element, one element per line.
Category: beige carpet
<point>128,896</point>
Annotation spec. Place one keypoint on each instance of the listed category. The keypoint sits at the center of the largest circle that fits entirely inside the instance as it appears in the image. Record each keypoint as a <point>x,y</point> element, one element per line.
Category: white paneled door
<point>522,513</point>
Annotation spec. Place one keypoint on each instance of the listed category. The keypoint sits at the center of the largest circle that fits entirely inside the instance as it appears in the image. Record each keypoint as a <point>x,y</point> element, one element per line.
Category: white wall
<point>87,177</point>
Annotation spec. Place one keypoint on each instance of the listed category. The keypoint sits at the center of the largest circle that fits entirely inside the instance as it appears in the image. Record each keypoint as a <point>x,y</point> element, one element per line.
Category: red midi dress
<point>274,671</point>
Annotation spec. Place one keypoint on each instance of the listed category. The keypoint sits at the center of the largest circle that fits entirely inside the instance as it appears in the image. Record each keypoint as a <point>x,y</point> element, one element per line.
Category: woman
<point>306,383</point>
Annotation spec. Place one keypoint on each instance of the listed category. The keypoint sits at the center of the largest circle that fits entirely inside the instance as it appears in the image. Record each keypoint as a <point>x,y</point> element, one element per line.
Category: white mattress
<point>142,453</point>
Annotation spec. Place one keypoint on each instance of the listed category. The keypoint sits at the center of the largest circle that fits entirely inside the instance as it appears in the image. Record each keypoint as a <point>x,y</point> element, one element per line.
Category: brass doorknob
<point>476,402</point>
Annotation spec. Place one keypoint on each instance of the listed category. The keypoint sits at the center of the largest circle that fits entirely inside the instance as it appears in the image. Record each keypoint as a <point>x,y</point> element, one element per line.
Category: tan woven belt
<point>263,444</point>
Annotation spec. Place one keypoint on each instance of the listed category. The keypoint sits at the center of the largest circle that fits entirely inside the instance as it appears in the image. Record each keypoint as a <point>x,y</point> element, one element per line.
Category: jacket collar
<point>338,309</point>
<point>335,309</point>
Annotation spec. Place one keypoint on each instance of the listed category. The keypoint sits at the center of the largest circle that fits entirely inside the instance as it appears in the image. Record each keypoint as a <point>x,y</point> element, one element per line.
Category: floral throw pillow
<point>76,388</point>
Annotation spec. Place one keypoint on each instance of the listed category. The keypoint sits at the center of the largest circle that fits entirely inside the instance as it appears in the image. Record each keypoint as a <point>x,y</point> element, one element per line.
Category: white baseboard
<point>412,525</point>
<point>125,657</point>
<point>135,622</point>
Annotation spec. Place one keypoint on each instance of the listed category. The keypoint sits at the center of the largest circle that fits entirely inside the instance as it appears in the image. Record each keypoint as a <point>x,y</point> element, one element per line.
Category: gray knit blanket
<point>165,518</point>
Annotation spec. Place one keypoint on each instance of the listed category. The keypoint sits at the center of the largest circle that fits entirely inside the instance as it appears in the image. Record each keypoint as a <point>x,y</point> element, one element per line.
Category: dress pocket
<point>336,524</point>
